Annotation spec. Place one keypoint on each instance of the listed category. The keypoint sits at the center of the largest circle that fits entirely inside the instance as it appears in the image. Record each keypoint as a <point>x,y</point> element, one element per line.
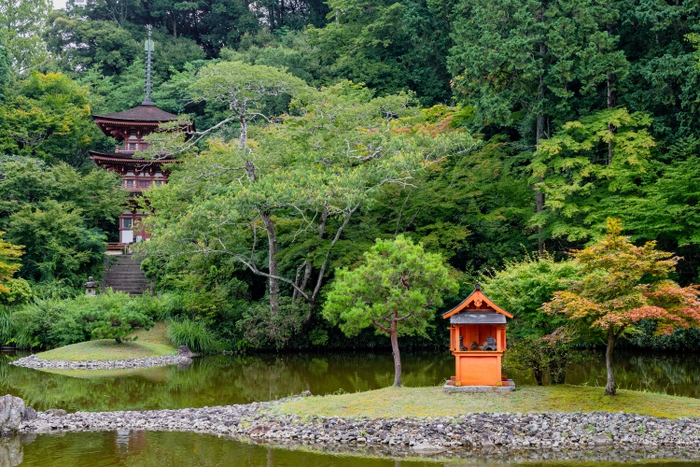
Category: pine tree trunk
<point>397,355</point>
<point>610,387</point>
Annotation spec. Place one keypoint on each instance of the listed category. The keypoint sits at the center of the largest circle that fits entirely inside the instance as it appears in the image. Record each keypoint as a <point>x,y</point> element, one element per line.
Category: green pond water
<point>221,380</point>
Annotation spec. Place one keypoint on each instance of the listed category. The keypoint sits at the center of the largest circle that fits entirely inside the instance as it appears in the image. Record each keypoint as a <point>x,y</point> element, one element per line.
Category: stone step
<point>124,274</point>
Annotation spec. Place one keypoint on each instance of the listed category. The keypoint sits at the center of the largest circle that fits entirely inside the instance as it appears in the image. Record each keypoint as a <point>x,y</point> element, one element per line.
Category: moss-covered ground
<point>151,343</point>
<point>433,402</point>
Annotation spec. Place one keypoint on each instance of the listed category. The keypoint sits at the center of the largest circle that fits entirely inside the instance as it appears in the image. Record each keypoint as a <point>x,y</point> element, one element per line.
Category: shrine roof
<point>475,302</point>
<point>487,317</point>
<point>141,113</point>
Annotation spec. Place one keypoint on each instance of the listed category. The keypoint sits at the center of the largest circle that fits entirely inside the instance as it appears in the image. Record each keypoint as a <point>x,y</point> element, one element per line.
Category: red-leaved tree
<point>620,284</point>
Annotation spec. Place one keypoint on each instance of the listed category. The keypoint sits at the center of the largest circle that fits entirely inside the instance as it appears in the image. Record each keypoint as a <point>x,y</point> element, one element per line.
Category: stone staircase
<point>123,273</point>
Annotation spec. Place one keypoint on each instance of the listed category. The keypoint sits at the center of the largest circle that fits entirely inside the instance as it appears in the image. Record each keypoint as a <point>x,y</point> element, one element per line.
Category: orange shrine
<point>478,341</point>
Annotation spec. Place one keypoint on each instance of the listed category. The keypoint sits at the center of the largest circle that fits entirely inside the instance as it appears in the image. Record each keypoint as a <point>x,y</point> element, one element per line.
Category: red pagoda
<point>129,129</point>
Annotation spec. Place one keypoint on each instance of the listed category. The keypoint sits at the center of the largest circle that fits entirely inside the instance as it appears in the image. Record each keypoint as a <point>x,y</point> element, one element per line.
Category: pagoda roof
<point>142,113</point>
<point>125,158</point>
<point>477,301</point>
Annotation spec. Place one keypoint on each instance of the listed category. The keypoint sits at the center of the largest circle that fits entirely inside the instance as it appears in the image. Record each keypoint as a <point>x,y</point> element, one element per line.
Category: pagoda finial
<point>149,66</point>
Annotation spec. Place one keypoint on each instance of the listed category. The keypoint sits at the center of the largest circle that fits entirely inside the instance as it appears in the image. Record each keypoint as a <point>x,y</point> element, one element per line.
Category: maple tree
<point>9,254</point>
<point>621,284</point>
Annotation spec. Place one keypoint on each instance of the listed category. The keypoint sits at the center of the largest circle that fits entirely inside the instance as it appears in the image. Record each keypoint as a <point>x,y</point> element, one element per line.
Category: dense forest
<point>499,134</point>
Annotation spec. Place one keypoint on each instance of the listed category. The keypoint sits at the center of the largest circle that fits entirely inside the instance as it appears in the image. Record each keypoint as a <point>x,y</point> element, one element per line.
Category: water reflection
<point>154,449</point>
<point>166,449</point>
<point>221,380</point>
<point>676,374</point>
<point>217,380</point>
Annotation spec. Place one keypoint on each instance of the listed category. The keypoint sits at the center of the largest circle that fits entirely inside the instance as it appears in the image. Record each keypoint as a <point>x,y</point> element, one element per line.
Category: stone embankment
<point>447,435</point>
<point>183,357</point>
<point>34,362</point>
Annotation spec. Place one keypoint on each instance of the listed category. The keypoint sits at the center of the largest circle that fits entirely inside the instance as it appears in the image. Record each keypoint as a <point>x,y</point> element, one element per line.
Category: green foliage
<point>194,334</point>
<point>59,215</point>
<point>529,64</point>
<point>9,255</point>
<point>396,290</point>
<point>59,245</point>
<point>47,118</point>
<point>587,169</point>
<point>390,46</point>
<point>53,323</point>
<point>549,356</point>
<point>261,329</point>
<point>22,23</point>
<point>620,284</point>
<point>18,292</point>
<point>522,287</point>
<point>473,207</point>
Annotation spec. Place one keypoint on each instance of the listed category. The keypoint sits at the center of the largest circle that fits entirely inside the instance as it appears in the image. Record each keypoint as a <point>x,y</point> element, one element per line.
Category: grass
<point>151,343</point>
<point>434,402</point>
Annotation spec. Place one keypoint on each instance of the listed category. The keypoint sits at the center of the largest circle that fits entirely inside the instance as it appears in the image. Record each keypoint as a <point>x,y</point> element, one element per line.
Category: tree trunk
<point>539,135</point>
<point>610,388</point>
<point>244,132</point>
<point>397,355</point>
<point>537,373</point>
<point>557,372</point>
<point>273,264</point>
<point>611,104</point>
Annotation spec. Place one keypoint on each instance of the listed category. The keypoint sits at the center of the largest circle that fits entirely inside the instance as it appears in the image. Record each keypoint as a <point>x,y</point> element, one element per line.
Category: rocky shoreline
<point>443,436</point>
<point>36,363</point>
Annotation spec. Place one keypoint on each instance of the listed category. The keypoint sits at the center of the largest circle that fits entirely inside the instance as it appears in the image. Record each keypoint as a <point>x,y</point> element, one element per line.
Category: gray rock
<point>29,414</point>
<point>602,440</point>
<point>56,413</point>
<point>426,448</point>
<point>184,351</point>
<point>11,413</point>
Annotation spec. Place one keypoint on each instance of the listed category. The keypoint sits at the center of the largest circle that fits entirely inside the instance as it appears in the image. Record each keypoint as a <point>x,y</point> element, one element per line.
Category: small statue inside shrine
<point>490,344</point>
<point>461,344</point>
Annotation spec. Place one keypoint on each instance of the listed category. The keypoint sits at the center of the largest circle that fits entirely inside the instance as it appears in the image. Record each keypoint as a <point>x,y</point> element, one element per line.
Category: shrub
<point>18,292</point>
<point>523,287</point>
<point>194,334</point>
<point>52,323</point>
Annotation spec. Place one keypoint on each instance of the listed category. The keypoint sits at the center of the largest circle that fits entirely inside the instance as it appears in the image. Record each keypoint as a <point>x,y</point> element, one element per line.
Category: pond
<point>221,380</point>
<point>166,449</point>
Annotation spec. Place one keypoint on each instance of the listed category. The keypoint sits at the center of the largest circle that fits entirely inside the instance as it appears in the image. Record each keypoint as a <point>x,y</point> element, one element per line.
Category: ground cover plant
<point>139,344</point>
<point>434,402</point>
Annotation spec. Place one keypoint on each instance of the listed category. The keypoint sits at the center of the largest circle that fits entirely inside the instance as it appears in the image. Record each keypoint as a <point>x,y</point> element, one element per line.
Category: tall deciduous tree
<point>530,64</point>
<point>614,291</point>
<point>303,180</point>
<point>582,185</point>
<point>22,23</point>
<point>47,118</point>
<point>396,290</point>
<point>241,92</point>
<point>391,46</point>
